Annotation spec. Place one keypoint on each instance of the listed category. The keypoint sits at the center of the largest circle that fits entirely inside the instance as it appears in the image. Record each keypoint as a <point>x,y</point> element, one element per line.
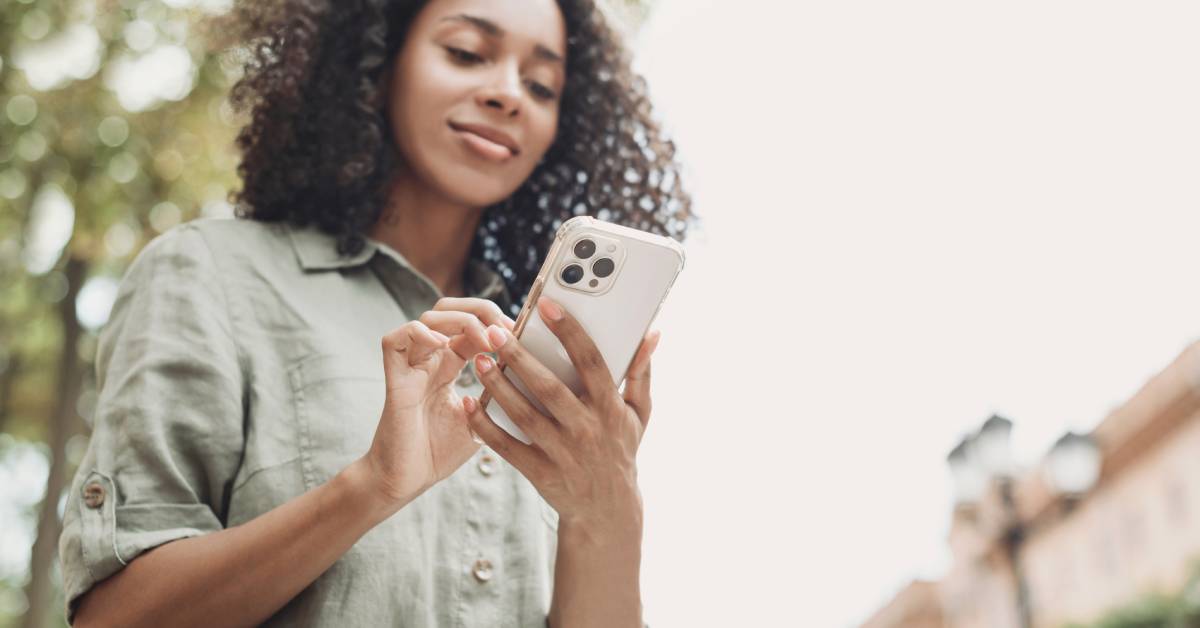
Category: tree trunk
<point>39,591</point>
<point>8,380</point>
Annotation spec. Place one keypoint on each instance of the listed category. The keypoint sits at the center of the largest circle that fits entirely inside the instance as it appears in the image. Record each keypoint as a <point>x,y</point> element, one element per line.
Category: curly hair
<point>317,148</point>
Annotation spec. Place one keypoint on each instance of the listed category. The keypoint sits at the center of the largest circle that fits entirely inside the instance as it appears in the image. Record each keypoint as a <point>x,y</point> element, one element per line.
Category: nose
<point>503,94</point>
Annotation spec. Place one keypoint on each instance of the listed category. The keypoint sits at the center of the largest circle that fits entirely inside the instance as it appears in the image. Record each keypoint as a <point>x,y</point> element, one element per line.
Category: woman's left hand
<point>583,458</point>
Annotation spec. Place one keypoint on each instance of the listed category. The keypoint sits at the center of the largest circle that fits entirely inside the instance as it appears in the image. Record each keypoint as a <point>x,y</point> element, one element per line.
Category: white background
<point>915,214</point>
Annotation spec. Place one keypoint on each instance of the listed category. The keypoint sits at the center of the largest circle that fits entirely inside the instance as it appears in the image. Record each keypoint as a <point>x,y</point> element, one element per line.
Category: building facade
<point>1135,533</point>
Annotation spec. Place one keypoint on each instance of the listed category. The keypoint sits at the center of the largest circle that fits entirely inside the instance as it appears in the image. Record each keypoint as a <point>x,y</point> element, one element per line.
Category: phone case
<point>616,312</point>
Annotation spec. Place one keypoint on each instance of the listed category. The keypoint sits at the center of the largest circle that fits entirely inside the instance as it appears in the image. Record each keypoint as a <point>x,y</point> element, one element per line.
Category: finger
<point>544,384</point>
<point>422,342</point>
<point>527,459</point>
<point>541,429</point>
<point>589,363</point>
<point>409,344</point>
<point>467,331</point>
<point>637,381</point>
<point>484,310</point>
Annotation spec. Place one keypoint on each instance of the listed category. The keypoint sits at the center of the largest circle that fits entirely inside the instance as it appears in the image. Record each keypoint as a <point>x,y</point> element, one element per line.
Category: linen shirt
<point>241,366</point>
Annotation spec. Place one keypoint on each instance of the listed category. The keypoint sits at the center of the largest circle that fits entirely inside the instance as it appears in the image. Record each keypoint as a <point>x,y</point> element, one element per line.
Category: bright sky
<point>917,214</point>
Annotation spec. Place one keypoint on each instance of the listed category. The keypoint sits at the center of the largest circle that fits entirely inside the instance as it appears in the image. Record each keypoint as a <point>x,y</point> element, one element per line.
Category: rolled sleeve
<point>167,433</point>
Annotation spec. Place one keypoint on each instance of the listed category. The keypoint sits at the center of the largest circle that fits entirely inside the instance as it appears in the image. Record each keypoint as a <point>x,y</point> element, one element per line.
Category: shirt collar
<point>317,251</point>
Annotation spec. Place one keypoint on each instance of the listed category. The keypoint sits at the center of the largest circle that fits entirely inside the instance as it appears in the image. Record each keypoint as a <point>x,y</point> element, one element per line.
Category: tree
<point>97,156</point>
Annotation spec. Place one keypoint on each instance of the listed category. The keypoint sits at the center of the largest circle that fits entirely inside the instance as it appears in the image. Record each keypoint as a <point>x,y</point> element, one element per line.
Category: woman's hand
<point>422,435</point>
<point>582,458</point>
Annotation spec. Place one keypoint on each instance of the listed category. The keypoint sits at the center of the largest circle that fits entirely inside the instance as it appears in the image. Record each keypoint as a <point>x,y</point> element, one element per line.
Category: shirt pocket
<point>338,402</point>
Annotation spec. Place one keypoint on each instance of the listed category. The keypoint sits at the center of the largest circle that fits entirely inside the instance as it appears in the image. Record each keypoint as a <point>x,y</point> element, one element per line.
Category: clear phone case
<point>615,306</point>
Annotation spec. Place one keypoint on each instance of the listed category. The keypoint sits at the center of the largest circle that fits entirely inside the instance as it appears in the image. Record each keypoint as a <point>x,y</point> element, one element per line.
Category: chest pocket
<point>338,402</point>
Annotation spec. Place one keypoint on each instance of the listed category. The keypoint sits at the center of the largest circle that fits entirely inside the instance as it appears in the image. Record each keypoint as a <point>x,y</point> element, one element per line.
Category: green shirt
<point>241,366</point>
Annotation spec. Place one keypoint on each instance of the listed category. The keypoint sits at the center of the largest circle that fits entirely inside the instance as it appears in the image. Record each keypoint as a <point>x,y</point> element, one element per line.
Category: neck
<point>432,232</point>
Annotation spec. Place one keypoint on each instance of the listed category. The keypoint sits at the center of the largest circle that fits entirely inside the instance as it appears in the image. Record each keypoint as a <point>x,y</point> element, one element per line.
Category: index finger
<point>584,354</point>
<point>485,310</point>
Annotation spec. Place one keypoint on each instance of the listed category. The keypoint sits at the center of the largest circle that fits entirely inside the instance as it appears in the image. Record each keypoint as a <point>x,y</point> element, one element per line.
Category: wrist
<point>360,480</point>
<point>618,526</point>
<point>597,570</point>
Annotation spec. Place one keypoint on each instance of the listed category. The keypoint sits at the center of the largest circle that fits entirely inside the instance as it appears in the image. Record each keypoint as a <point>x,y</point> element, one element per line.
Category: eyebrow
<point>493,29</point>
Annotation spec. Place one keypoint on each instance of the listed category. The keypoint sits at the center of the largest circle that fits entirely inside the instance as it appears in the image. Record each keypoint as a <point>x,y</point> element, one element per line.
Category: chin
<point>476,189</point>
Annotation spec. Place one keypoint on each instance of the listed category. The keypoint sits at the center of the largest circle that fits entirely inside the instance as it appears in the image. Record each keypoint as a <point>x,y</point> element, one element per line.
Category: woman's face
<point>474,94</point>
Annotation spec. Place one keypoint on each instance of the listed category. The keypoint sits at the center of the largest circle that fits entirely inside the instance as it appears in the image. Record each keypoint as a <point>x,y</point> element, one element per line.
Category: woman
<point>251,463</point>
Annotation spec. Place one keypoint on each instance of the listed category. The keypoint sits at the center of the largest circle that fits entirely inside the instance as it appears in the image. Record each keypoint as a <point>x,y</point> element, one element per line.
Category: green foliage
<point>128,175</point>
<point>115,166</point>
<point>1179,610</point>
<point>1154,612</point>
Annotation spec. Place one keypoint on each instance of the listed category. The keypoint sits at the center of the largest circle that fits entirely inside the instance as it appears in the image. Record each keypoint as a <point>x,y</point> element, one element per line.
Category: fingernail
<point>497,335</point>
<point>469,405</point>
<point>549,309</point>
<point>483,363</point>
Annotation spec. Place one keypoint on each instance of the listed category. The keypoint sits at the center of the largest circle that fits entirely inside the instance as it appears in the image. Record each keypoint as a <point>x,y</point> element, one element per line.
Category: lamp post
<point>1073,465</point>
<point>984,460</point>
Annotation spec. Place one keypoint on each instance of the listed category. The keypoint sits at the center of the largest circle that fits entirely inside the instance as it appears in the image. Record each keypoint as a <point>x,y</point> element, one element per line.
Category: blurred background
<point>932,362</point>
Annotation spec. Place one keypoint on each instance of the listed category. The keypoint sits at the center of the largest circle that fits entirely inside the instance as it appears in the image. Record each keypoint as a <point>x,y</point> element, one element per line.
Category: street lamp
<point>1073,466</point>
<point>984,460</point>
<point>993,445</point>
<point>970,482</point>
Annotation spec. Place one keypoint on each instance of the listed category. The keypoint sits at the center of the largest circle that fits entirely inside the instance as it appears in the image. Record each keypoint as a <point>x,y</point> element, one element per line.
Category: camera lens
<point>603,267</point>
<point>584,249</point>
<point>572,273</point>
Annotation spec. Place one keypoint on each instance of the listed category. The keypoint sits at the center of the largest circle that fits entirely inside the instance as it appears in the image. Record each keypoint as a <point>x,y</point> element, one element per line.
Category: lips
<point>487,141</point>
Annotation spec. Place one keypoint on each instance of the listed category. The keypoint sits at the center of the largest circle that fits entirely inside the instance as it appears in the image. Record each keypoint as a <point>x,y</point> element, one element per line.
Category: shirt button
<point>93,495</point>
<point>482,570</point>
<point>487,464</point>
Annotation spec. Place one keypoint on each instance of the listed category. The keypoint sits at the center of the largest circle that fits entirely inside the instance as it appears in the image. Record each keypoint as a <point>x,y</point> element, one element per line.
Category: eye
<point>541,91</point>
<point>465,57</point>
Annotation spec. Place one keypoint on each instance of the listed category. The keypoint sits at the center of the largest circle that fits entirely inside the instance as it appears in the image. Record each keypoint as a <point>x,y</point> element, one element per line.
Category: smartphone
<point>613,280</point>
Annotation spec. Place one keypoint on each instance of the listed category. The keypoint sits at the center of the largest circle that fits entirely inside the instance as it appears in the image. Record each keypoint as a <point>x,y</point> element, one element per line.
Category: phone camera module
<point>603,267</point>
<point>584,249</point>
<point>572,274</point>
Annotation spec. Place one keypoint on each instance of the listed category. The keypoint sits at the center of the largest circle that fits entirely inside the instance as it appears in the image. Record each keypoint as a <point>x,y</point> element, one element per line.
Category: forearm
<point>596,573</point>
<point>241,575</point>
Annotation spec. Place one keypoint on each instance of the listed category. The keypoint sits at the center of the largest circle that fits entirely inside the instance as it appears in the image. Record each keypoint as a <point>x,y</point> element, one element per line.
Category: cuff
<point>100,536</point>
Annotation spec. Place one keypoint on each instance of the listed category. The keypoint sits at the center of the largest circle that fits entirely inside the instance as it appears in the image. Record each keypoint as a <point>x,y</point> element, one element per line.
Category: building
<point>915,606</point>
<point>1071,556</point>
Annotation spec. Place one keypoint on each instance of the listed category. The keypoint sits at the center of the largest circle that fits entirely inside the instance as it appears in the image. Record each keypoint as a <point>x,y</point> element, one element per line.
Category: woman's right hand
<point>423,435</point>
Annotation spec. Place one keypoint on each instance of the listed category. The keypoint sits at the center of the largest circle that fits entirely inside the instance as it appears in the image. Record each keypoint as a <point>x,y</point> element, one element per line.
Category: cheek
<point>542,131</point>
<point>404,114</point>
<point>420,95</point>
<point>409,108</point>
